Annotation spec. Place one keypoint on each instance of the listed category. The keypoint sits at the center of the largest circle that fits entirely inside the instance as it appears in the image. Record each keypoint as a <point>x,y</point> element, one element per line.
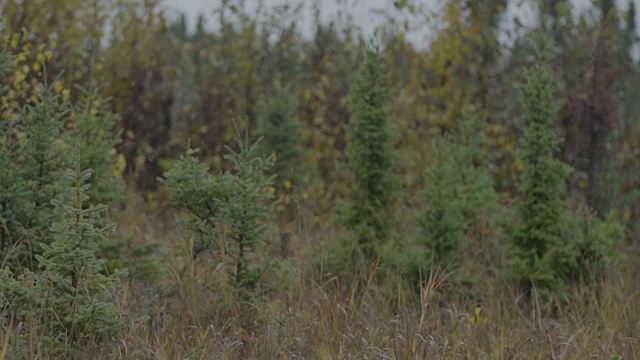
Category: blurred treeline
<point>174,83</point>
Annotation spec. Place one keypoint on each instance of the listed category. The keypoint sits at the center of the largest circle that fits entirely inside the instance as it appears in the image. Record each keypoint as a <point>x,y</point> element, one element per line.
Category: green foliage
<point>282,138</point>
<point>458,189</point>
<point>70,302</point>
<point>280,133</point>
<point>33,154</point>
<point>5,66</point>
<point>198,192</point>
<point>84,297</point>
<point>541,210</point>
<point>552,246</point>
<point>371,159</point>
<point>596,244</point>
<point>55,284</point>
<point>93,125</point>
<point>228,213</point>
<point>35,139</point>
<point>247,209</point>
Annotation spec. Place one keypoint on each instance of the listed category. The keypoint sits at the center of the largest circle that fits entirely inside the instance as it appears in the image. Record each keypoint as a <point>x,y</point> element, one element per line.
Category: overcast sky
<point>361,10</point>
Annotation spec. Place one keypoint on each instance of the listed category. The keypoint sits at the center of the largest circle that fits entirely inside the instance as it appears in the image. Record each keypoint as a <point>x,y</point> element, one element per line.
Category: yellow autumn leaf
<point>518,164</point>
<point>57,86</point>
<point>21,136</point>
<point>59,144</point>
<point>477,318</point>
<point>20,57</point>
<point>118,166</point>
<point>15,39</point>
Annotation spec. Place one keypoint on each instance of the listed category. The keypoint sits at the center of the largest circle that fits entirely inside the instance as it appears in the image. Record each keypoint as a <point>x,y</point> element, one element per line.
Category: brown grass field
<point>316,316</point>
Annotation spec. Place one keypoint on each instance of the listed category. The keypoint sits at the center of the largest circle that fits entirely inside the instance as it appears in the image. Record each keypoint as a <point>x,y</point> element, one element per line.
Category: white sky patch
<point>368,15</point>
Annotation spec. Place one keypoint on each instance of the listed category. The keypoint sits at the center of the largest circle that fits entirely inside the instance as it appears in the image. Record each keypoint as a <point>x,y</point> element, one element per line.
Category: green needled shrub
<point>34,143</point>
<point>56,285</point>
<point>367,208</point>
<point>596,244</point>
<point>228,216</point>
<point>93,126</point>
<point>282,139</point>
<point>33,156</point>
<point>85,299</point>
<point>542,213</point>
<point>552,245</point>
<point>279,132</point>
<point>458,190</point>
<point>70,303</point>
<point>457,200</point>
<point>247,209</point>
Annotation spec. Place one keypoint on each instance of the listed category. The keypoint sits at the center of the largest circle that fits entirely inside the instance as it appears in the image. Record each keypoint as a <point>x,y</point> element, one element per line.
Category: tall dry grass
<point>375,315</point>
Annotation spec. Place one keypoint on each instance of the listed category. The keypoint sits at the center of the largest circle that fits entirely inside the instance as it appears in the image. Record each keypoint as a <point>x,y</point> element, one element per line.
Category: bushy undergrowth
<point>227,219</point>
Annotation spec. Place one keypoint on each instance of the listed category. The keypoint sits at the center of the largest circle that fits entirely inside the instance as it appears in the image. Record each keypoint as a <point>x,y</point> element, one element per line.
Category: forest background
<point>281,192</point>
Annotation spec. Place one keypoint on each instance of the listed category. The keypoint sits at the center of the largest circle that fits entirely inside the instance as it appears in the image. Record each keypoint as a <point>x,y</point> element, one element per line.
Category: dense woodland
<point>240,188</point>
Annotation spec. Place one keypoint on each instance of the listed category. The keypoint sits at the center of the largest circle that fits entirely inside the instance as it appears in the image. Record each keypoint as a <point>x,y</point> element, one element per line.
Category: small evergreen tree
<point>370,152</point>
<point>33,156</point>
<point>458,187</point>
<point>595,241</point>
<point>537,239</point>
<point>195,191</point>
<point>70,302</point>
<point>66,301</point>
<point>228,214</point>
<point>281,139</point>
<point>247,210</point>
<point>279,131</point>
<point>93,125</point>
<point>34,143</point>
<point>551,245</point>
<point>83,298</point>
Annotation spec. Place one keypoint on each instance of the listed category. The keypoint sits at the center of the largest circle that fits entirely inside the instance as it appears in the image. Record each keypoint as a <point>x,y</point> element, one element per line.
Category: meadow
<point>239,189</point>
